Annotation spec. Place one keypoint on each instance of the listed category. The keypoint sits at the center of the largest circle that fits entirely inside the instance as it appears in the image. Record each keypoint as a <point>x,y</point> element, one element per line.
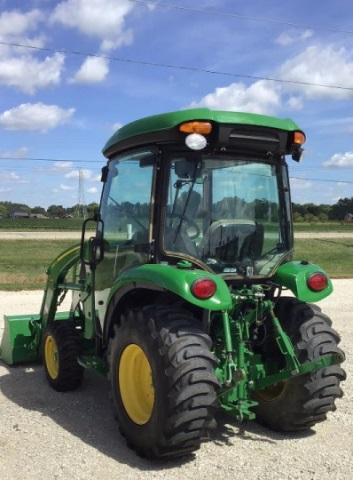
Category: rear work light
<point>204,128</point>
<point>299,138</point>
<point>203,288</point>
<point>317,282</point>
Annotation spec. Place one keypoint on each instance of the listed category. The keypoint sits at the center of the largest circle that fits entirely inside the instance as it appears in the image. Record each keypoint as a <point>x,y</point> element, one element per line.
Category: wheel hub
<point>51,357</point>
<point>134,378</point>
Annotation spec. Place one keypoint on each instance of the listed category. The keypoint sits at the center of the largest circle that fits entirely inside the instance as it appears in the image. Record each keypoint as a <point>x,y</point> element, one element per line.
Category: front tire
<point>61,348</point>
<point>301,402</point>
<point>162,380</point>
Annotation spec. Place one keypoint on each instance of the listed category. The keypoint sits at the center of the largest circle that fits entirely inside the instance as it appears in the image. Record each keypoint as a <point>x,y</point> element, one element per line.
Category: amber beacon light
<point>204,128</point>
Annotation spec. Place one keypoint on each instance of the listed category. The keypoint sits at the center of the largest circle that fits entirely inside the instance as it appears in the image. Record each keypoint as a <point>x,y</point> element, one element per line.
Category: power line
<point>239,16</point>
<point>321,180</point>
<point>54,160</point>
<point>171,66</point>
<point>60,160</point>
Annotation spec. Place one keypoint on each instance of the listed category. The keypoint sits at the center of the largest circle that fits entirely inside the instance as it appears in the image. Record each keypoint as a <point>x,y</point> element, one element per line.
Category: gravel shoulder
<point>44,434</point>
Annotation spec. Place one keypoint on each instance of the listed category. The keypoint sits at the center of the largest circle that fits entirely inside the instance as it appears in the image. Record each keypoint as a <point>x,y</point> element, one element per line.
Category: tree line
<point>306,212</point>
<point>7,210</point>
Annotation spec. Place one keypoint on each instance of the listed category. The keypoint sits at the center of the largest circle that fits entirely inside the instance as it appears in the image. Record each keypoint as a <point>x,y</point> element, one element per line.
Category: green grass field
<point>27,224</point>
<point>23,263</point>
<point>333,255</point>
<point>323,227</point>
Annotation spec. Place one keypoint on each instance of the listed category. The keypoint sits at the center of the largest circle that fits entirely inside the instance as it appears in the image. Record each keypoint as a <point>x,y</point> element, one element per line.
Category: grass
<point>334,256</point>
<point>23,263</point>
<point>26,224</point>
<point>323,227</point>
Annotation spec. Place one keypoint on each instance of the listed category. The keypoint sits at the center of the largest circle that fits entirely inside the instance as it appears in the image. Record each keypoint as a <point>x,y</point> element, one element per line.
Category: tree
<point>56,211</point>
<point>341,208</point>
<point>38,210</point>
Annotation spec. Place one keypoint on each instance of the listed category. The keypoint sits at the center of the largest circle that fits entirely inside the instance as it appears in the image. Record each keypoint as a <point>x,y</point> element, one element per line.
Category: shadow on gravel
<point>228,428</point>
<point>87,414</point>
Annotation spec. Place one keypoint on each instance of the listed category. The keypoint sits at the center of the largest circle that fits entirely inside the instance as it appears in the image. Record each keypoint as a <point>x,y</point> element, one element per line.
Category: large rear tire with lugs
<point>162,380</point>
<point>303,401</point>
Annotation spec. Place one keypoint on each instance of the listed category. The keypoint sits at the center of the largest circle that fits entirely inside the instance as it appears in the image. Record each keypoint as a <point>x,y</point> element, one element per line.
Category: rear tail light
<point>203,288</point>
<point>317,282</point>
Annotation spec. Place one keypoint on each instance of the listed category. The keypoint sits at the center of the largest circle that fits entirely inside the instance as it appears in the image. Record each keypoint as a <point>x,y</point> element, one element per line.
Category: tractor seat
<point>233,240</point>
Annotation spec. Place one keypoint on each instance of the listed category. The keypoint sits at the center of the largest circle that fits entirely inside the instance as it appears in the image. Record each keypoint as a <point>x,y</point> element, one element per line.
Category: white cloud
<point>290,37</point>
<point>18,23</point>
<point>29,74</point>
<point>65,187</point>
<point>295,103</point>
<point>62,166</point>
<point>5,190</point>
<point>300,184</point>
<point>92,70</point>
<point>20,152</point>
<point>35,117</point>
<point>317,64</point>
<point>18,67</point>
<point>9,176</point>
<point>340,160</point>
<point>103,19</point>
<point>85,172</point>
<point>259,97</point>
<point>92,190</point>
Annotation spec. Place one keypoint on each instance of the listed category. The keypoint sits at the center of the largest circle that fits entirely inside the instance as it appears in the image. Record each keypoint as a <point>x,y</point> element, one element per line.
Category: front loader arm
<point>56,272</point>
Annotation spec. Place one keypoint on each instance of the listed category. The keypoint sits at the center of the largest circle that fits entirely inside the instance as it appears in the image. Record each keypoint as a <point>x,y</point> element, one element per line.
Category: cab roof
<point>167,121</point>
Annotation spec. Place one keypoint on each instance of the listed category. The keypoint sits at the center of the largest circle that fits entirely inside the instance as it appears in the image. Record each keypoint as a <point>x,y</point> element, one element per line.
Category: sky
<point>64,106</point>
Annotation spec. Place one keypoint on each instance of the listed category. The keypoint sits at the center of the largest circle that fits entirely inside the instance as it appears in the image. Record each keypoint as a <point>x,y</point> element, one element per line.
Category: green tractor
<point>178,296</point>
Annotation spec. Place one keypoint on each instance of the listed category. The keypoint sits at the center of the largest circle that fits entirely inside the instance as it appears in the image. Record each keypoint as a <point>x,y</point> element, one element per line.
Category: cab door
<point>126,212</point>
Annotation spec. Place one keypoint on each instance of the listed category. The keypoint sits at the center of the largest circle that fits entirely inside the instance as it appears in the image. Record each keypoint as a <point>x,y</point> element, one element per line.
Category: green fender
<point>294,275</point>
<point>176,280</point>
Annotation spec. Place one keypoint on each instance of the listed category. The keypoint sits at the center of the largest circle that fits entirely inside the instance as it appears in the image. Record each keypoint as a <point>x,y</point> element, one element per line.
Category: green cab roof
<point>166,121</point>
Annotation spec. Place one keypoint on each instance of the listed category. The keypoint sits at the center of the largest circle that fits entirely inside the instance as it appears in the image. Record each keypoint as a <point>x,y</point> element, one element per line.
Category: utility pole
<point>81,210</point>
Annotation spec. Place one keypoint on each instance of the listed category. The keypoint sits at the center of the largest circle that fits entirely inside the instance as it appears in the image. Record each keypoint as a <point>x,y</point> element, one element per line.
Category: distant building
<point>20,215</point>
<point>348,218</point>
<point>38,215</point>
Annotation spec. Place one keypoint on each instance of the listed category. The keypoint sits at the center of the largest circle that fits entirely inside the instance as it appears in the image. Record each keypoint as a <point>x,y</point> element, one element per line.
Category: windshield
<point>226,213</point>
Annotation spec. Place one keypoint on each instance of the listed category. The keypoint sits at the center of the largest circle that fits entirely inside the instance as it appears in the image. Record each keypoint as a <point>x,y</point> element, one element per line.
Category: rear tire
<point>166,343</point>
<point>301,402</point>
<point>61,348</point>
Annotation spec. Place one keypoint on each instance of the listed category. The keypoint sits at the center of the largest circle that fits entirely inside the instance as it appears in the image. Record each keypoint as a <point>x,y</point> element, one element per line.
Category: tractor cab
<point>209,188</point>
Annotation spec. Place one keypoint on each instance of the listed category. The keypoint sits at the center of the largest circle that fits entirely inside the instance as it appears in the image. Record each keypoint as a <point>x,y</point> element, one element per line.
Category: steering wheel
<point>190,223</point>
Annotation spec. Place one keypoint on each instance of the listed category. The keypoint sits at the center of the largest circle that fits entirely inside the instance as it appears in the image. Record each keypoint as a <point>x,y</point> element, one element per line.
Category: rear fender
<point>167,278</point>
<point>294,275</point>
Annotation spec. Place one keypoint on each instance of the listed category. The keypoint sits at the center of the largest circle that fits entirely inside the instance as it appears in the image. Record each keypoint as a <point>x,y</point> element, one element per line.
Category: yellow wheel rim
<point>51,355</point>
<point>134,379</point>
<point>273,392</point>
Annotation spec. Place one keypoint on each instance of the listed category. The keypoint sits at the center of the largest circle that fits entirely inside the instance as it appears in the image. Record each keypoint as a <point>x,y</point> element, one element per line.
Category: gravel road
<point>71,235</point>
<point>44,434</point>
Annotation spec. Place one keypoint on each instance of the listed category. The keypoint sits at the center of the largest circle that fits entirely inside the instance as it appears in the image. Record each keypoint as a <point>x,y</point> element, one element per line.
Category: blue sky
<point>61,106</point>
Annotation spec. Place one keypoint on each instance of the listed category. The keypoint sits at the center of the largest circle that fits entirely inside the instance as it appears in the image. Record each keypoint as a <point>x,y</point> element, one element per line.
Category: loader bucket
<point>21,338</point>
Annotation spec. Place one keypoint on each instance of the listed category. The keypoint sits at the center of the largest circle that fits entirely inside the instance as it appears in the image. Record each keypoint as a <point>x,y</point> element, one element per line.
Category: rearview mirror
<point>92,250</point>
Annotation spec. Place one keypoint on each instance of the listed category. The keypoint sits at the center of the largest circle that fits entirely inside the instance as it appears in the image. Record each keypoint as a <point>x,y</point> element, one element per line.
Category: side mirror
<point>92,250</point>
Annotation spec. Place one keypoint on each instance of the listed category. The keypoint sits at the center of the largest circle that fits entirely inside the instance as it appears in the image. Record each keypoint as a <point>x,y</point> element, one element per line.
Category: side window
<point>126,207</point>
